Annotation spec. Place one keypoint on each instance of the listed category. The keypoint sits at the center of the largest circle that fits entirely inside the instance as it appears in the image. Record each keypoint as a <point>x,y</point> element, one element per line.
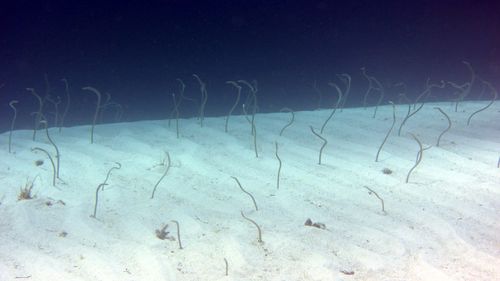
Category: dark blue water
<point>135,51</point>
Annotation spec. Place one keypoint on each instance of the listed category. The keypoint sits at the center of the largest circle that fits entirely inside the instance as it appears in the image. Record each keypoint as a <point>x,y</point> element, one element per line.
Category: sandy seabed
<point>441,225</point>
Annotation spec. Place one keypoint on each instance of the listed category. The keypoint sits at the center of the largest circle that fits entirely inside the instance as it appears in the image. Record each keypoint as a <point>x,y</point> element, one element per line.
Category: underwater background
<point>135,51</point>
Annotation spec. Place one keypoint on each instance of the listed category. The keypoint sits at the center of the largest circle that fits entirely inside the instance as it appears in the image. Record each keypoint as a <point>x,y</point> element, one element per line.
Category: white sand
<point>442,225</point>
